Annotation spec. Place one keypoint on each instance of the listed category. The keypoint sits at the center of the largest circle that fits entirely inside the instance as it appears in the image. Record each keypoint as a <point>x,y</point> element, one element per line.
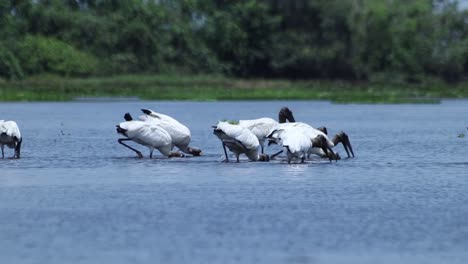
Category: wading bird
<point>146,134</point>
<point>286,114</point>
<point>11,137</point>
<point>298,142</point>
<point>239,140</point>
<point>179,133</point>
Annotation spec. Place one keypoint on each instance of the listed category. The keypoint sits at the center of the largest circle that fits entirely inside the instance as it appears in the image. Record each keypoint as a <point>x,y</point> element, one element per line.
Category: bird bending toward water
<point>285,114</point>
<point>179,133</point>
<point>11,137</point>
<point>239,140</point>
<point>298,143</point>
<point>146,134</point>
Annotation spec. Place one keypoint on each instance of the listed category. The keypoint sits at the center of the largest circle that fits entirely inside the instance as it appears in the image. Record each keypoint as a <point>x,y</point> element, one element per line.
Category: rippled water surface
<point>77,196</point>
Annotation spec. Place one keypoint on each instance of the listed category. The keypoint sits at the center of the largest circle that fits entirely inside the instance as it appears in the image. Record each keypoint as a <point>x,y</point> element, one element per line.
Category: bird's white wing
<point>296,140</point>
<point>179,132</point>
<point>2,127</point>
<point>162,117</point>
<point>146,133</point>
<point>239,133</point>
<point>307,130</point>
<point>150,119</point>
<point>259,127</point>
<point>10,128</point>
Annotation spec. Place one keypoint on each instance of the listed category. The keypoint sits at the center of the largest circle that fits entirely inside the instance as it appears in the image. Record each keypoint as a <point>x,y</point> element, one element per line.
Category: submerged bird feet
<point>176,154</point>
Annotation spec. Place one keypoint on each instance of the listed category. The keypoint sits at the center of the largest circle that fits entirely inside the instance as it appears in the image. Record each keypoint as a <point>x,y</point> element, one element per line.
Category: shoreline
<point>219,88</point>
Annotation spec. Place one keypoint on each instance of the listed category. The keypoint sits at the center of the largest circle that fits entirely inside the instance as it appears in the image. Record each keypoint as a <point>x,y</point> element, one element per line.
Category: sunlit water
<point>77,196</point>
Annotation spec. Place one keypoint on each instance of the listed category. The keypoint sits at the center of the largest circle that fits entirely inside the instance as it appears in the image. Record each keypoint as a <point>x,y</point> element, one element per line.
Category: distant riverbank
<point>208,88</point>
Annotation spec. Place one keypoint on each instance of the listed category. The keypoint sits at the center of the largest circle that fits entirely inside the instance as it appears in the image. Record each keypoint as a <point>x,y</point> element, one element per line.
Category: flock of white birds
<point>298,140</point>
<point>162,132</point>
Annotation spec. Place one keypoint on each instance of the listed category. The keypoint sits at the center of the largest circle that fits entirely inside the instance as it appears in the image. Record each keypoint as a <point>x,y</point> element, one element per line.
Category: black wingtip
<point>120,130</point>
<point>128,117</point>
<point>146,111</point>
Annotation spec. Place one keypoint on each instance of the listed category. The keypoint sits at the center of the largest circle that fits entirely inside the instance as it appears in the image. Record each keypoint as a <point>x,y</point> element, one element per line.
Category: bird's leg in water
<point>127,139</point>
<point>225,152</point>
<point>276,154</point>
<point>176,154</point>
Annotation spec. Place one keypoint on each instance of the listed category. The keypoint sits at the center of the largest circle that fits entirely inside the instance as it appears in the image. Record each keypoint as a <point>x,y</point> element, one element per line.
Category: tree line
<point>383,40</point>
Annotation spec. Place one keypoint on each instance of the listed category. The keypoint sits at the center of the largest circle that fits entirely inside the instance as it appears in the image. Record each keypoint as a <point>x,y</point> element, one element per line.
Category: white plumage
<point>179,133</point>
<point>11,137</point>
<point>301,138</point>
<point>239,140</point>
<point>308,130</point>
<point>295,142</point>
<point>313,133</point>
<point>259,127</point>
<point>146,134</point>
<point>320,135</point>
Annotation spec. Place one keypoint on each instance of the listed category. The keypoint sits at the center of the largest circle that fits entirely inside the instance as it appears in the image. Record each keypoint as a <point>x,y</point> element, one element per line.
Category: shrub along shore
<point>215,87</point>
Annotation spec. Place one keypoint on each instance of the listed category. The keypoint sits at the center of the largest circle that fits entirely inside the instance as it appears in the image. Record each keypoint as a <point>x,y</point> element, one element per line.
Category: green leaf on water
<point>232,122</point>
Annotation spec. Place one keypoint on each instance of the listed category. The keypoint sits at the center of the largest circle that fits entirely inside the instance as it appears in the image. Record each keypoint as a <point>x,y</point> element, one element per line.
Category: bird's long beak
<point>321,142</point>
<point>330,154</point>
<point>347,145</point>
<point>343,138</point>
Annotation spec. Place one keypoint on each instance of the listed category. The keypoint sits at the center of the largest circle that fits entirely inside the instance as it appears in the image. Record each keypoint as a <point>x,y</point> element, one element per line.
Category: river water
<point>77,196</point>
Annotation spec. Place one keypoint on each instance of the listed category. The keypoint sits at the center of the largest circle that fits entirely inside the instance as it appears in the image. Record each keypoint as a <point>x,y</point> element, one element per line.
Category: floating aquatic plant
<point>462,135</point>
<point>232,122</point>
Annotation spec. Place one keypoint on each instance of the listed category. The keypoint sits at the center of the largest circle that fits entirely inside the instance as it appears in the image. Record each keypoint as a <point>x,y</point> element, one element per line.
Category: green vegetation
<point>369,50</point>
<point>207,87</point>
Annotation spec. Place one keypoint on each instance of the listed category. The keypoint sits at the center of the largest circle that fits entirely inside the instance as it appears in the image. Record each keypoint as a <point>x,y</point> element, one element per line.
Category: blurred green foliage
<point>41,54</point>
<point>395,41</point>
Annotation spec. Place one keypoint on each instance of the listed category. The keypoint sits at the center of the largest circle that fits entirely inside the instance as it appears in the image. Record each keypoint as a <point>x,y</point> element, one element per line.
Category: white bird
<point>11,137</point>
<point>311,133</point>
<point>299,141</point>
<point>146,134</point>
<point>286,114</point>
<point>295,143</point>
<point>239,140</point>
<point>179,133</point>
